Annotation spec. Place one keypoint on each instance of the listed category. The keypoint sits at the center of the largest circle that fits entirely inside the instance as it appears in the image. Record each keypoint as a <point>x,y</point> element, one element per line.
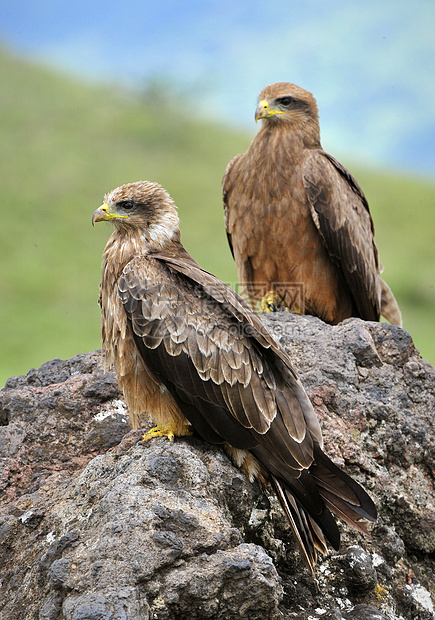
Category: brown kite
<point>298,223</point>
<point>190,353</point>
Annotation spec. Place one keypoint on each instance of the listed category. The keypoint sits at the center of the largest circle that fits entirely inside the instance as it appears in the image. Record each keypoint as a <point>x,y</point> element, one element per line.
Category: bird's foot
<point>170,433</point>
<point>272,302</point>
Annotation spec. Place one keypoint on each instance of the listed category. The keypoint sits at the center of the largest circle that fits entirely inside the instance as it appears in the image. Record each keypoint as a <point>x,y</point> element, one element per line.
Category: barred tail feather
<point>341,495</point>
<point>301,528</point>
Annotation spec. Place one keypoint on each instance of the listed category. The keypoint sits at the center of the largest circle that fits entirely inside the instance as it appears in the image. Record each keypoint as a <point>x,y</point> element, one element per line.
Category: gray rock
<point>365,612</point>
<point>112,603</point>
<point>359,574</point>
<point>96,525</point>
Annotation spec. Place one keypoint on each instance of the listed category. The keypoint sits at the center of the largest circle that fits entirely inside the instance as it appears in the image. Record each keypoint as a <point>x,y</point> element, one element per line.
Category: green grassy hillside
<point>65,143</point>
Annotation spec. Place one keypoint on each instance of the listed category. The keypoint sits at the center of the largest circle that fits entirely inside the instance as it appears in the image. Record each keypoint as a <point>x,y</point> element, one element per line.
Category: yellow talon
<point>158,431</point>
<point>272,302</point>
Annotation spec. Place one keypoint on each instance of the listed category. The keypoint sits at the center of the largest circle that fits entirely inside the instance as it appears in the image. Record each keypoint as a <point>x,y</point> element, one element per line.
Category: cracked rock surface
<point>94,525</point>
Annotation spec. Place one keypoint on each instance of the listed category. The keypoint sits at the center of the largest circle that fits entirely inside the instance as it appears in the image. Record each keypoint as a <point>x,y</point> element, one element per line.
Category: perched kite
<point>189,352</point>
<point>298,223</point>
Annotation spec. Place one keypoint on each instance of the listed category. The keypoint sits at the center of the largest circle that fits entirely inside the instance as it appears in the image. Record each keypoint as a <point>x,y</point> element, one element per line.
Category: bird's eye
<point>126,204</point>
<point>286,101</point>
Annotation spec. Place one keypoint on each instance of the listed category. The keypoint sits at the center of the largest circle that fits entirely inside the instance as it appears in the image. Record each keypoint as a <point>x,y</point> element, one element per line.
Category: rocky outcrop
<point>93,524</point>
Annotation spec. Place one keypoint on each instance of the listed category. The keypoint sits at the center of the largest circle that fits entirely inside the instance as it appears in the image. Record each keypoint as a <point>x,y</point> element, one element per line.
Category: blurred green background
<point>65,142</point>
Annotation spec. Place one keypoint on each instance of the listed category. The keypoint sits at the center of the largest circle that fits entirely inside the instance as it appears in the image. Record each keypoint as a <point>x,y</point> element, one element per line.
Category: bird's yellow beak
<point>265,111</point>
<point>100,214</point>
<point>104,214</point>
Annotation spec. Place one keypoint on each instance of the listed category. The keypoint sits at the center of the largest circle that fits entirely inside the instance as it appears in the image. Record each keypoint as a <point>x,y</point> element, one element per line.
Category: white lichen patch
<point>257,517</point>
<point>344,604</point>
<point>422,596</point>
<point>27,516</point>
<point>377,560</point>
<point>324,568</point>
<point>50,538</point>
<point>114,408</point>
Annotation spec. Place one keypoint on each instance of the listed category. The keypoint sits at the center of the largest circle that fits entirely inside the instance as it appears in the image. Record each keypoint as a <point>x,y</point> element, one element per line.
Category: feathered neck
<point>127,242</point>
<point>303,134</point>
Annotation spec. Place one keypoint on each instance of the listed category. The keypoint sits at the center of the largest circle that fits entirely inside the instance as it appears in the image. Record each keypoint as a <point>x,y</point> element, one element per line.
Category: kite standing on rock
<point>298,223</point>
<point>191,354</point>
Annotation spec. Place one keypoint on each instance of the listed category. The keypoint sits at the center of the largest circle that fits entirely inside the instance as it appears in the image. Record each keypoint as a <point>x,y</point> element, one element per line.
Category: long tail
<point>340,494</point>
<point>389,306</point>
<point>308,534</point>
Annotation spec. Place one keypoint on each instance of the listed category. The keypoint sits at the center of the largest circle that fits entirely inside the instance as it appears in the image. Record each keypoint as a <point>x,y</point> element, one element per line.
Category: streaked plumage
<point>297,221</point>
<point>188,351</point>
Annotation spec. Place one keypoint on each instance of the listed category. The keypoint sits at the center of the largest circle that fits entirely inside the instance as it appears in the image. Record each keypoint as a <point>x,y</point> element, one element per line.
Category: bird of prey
<point>298,223</point>
<point>190,353</point>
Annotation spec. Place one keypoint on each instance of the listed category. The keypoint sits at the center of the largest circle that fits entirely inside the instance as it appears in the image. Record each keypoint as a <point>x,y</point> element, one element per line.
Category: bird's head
<point>287,105</point>
<point>142,207</point>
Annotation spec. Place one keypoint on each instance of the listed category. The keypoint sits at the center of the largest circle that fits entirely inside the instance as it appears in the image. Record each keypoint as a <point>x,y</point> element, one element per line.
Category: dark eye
<point>126,204</point>
<point>286,101</point>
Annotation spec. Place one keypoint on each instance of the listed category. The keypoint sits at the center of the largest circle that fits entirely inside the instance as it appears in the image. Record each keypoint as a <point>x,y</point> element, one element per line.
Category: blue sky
<point>370,64</point>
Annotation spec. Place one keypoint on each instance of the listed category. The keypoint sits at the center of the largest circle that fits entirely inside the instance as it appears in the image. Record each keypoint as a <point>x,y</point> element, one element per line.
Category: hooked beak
<point>265,111</point>
<point>100,214</point>
<point>261,111</point>
<point>104,214</point>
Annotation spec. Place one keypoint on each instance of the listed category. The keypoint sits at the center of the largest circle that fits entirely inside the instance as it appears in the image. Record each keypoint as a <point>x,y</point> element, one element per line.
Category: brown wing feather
<point>222,334</point>
<point>389,306</point>
<point>225,189</point>
<point>235,384</point>
<point>341,214</point>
